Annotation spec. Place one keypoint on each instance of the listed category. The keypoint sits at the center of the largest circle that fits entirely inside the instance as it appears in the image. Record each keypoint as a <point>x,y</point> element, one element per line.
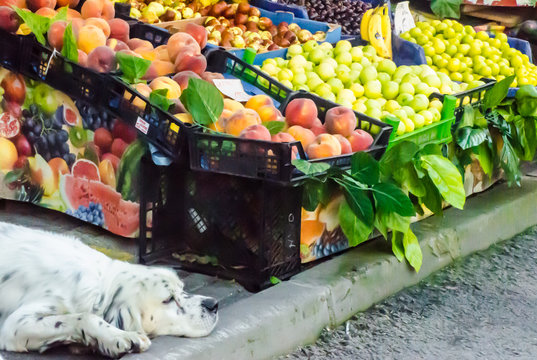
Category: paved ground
<point>482,306</point>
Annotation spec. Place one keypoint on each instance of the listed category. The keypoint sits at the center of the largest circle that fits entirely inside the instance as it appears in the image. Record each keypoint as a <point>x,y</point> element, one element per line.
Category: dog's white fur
<point>56,290</point>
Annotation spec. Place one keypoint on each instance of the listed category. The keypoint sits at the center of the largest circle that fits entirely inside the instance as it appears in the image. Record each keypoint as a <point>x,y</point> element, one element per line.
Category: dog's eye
<point>168,300</point>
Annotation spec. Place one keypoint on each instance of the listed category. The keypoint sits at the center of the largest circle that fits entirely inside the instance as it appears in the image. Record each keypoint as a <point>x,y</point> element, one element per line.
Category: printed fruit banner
<point>68,156</point>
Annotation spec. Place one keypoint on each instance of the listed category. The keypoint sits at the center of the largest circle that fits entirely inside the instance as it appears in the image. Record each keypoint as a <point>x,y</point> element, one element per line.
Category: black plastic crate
<point>221,225</point>
<point>472,97</point>
<point>159,127</point>
<point>10,51</point>
<point>154,34</point>
<point>219,153</point>
<point>221,61</point>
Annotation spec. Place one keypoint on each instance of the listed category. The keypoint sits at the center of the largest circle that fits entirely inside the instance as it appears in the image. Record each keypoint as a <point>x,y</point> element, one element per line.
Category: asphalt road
<point>481,307</point>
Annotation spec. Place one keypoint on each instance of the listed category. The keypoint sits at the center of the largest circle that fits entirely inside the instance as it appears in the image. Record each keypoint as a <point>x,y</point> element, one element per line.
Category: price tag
<point>403,20</point>
<point>232,88</point>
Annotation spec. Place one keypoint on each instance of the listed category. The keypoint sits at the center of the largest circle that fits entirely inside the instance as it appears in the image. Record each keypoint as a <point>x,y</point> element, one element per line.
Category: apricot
<point>198,32</point>
<point>101,24</point>
<point>220,124</point>
<point>146,53</point>
<point>301,112</point>
<point>129,52</point>
<point>257,101</point>
<point>305,136</point>
<point>187,61</point>
<point>90,37</point>
<point>256,132</point>
<point>55,34</point>
<point>116,44</point>
<point>159,68</point>
<point>232,105</point>
<point>82,58</point>
<point>21,4</point>
<point>318,127</point>
<point>107,172</point>
<point>346,147</point>
<point>71,3</point>
<point>98,9</point>
<point>46,12</point>
<point>180,42</point>
<point>324,145</point>
<point>77,24</point>
<point>162,53</point>
<point>119,29</point>
<point>162,82</point>
<point>138,43</point>
<point>102,59</point>
<point>73,14</point>
<point>182,79</point>
<point>35,5</point>
<point>340,120</point>
<point>144,90</point>
<point>240,120</point>
<point>360,140</point>
<point>269,113</point>
<point>9,20</point>
<point>184,118</point>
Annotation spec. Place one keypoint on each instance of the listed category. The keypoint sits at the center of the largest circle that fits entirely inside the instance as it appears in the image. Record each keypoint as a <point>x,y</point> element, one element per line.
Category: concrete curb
<point>293,313</point>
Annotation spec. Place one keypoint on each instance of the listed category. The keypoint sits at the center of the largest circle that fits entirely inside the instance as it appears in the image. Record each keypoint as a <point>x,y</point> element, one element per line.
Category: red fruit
<point>14,88</point>
<point>360,140</point>
<point>14,109</point>
<point>21,162</point>
<point>103,139</point>
<point>198,32</point>
<point>23,146</point>
<point>86,169</point>
<point>318,127</point>
<point>123,131</point>
<point>113,159</point>
<point>9,20</point>
<point>9,126</point>
<point>118,147</point>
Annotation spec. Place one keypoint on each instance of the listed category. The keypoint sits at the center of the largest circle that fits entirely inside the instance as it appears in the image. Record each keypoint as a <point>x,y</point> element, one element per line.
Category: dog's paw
<point>127,342</point>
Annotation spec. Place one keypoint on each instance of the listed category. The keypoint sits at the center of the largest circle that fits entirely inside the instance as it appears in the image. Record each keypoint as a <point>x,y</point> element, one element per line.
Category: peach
<point>21,4</point>
<point>102,59</point>
<point>82,58</point>
<point>77,24</point>
<point>257,101</point>
<point>324,145</point>
<point>55,34</point>
<point>340,120</point>
<point>257,132</point>
<point>162,53</point>
<point>98,9</point>
<point>209,76</point>
<point>35,5</point>
<point>283,137</point>
<point>305,136</point>
<point>346,147</point>
<point>232,105</point>
<point>101,24</point>
<point>360,140</point>
<point>159,68</point>
<point>162,82</point>
<point>9,20</point>
<point>90,37</point>
<point>139,43</point>
<point>240,120</point>
<point>71,3</point>
<point>144,90</point>
<point>182,78</point>
<point>186,61</point>
<point>198,32</point>
<point>180,42</point>
<point>220,124</point>
<point>46,12</point>
<point>119,29</point>
<point>269,113</point>
<point>129,52</point>
<point>116,44</point>
<point>301,112</point>
<point>318,127</point>
<point>148,54</point>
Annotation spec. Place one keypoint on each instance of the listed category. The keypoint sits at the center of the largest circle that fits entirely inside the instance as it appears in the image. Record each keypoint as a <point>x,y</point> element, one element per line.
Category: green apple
<point>373,89</point>
<point>317,55</point>
<point>359,106</point>
<point>310,45</point>
<point>327,46</point>
<point>281,62</point>
<point>357,89</point>
<point>411,79</point>
<point>372,104</point>
<point>326,71</point>
<point>335,85</point>
<point>312,75</point>
<point>330,97</point>
<point>406,88</point>
<point>383,77</point>
<point>357,53</point>
<point>401,114</point>
<point>367,74</point>
<point>419,103</point>
<point>299,79</point>
<point>313,83</point>
<point>382,102</point>
<point>391,106</point>
<point>270,69</point>
<point>356,66</point>
<point>309,66</point>
<point>344,58</point>
<point>418,121</point>
<point>342,46</point>
<point>387,66</point>
<point>427,116</point>
<point>330,61</point>
<point>303,87</point>
<point>390,90</point>
<point>294,50</point>
<point>433,80</point>
<point>298,61</point>
<point>374,113</point>
<point>436,114</point>
<point>297,70</point>
<point>270,61</point>
<point>401,72</point>
<point>287,83</point>
<point>353,77</point>
<point>323,89</point>
<point>401,128</point>
<point>409,111</point>
<point>345,97</point>
<point>404,99</point>
<point>369,51</point>
<point>365,62</point>
<point>285,74</point>
<point>343,73</point>
<point>423,88</point>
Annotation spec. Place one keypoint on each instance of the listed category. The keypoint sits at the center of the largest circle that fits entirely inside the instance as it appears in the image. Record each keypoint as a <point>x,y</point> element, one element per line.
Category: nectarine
<point>360,140</point>
<point>340,120</point>
<point>240,120</point>
<point>301,112</point>
<point>324,145</point>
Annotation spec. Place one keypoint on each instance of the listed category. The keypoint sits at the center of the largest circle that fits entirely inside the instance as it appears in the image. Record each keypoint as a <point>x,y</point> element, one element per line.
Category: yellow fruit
<point>9,154</point>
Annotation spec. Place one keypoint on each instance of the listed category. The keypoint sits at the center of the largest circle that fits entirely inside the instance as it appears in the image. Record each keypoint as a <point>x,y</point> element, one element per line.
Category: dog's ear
<point>126,316</point>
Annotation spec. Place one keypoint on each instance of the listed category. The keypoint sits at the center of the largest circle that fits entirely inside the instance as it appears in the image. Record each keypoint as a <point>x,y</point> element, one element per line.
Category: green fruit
<point>326,71</point>
<point>345,97</point>
<point>383,77</point>
<point>387,66</point>
<point>374,113</point>
<point>357,53</point>
<point>406,88</point>
<point>357,89</point>
<point>368,73</point>
<point>373,89</point>
<point>404,99</point>
<point>317,55</point>
<point>391,106</point>
<point>323,90</point>
<point>419,103</point>
<point>409,111</point>
<point>369,51</point>
<point>390,90</point>
<point>77,136</point>
<point>335,85</point>
<point>294,50</point>
<point>44,96</point>
<point>342,46</point>
<point>297,61</point>
<point>343,73</point>
<point>418,121</point>
<point>356,66</point>
<point>313,82</point>
<point>300,79</point>
<point>310,45</point>
<point>427,116</point>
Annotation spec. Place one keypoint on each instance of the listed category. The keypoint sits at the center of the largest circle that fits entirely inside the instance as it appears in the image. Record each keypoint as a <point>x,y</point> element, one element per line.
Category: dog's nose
<point>210,304</point>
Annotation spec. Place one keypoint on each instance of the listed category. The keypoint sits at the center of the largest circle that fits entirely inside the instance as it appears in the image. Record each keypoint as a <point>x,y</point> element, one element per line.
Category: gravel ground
<point>481,307</point>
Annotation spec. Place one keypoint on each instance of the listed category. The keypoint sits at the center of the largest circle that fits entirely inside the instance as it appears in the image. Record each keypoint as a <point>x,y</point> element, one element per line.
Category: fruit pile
<point>240,26</point>
<point>458,51</point>
<point>356,77</point>
<point>153,12</point>
<point>336,136</point>
<point>347,13</point>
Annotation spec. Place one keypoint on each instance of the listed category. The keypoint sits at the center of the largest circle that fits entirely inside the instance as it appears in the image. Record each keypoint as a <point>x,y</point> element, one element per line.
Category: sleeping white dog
<point>56,290</point>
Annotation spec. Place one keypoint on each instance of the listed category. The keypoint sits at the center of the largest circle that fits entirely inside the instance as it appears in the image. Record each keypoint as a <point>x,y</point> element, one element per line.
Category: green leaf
<point>309,168</point>
<point>432,198</point>
<point>357,199</point>
<point>365,168</point>
<point>468,137</point>
<point>70,49</point>
<point>274,280</point>
<point>381,227</point>
<point>468,117</point>
<point>394,221</point>
<point>389,198</point>
<point>446,8</point>
<point>159,99</point>
<point>37,24</point>
<point>315,192</point>
<point>526,137</point>
<point>484,156</point>
<point>397,156</point>
<point>509,162</point>
<point>274,127</point>
<point>203,100</point>
<point>13,176</point>
<point>412,250</point>
<point>494,96</point>
<point>60,15</point>
<point>407,177</point>
<point>526,100</point>
<point>446,178</point>
<point>132,68</point>
<point>354,229</point>
<point>397,245</point>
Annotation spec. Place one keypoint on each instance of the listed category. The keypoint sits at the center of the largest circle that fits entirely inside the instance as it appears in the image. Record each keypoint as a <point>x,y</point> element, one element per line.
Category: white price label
<point>142,125</point>
<point>232,88</point>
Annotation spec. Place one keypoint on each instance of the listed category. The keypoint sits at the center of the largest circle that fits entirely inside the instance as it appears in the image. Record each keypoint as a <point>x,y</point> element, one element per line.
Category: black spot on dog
<point>151,317</point>
<point>100,323</point>
<point>135,347</point>
<point>181,310</point>
<point>83,335</point>
<point>58,324</point>
<point>16,331</point>
<point>52,308</point>
<point>78,276</point>
<point>79,318</point>
<point>27,341</point>
<point>117,344</point>
<point>7,276</point>
<point>120,321</point>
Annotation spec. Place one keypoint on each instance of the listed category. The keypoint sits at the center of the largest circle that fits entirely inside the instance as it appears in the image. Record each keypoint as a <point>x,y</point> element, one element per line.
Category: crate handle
<point>394,122</point>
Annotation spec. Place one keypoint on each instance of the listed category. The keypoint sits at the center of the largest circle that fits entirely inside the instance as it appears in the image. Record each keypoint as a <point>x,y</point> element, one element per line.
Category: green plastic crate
<point>435,133</point>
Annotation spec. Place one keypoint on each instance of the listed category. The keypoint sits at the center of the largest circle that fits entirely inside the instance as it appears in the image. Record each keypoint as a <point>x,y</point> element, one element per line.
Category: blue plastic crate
<point>297,11</point>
